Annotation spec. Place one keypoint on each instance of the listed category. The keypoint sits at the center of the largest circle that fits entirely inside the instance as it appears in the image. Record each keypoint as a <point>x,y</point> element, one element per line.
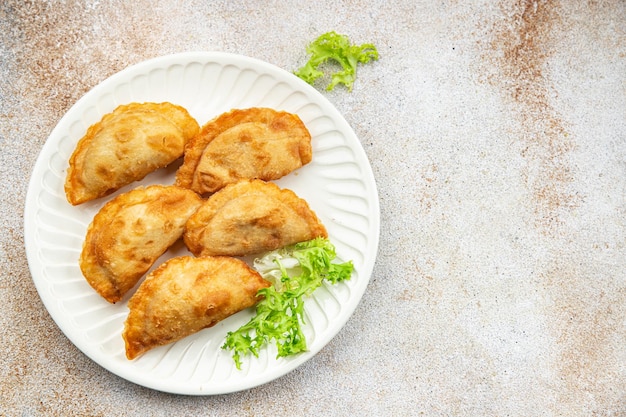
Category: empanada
<point>125,146</point>
<point>130,232</point>
<point>254,143</point>
<point>250,217</point>
<point>185,295</point>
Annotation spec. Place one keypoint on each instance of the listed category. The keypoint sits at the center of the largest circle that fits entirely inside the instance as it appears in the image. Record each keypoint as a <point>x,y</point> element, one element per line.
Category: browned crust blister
<point>250,217</point>
<point>185,295</point>
<point>253,143</point>
<point>125,146</point>
<point>130,233</point>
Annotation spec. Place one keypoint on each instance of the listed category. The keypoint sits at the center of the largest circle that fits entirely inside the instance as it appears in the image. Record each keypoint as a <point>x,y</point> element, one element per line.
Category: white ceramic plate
<point>338,184</point>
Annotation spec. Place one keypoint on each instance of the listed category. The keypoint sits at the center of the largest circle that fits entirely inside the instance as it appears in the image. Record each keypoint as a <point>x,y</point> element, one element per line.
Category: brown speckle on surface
<point>585,313</point>
<point>522,44</point>
<point>68,47</point>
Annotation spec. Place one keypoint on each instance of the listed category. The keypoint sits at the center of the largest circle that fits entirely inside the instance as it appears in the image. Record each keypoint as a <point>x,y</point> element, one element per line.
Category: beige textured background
<point>497,135</point>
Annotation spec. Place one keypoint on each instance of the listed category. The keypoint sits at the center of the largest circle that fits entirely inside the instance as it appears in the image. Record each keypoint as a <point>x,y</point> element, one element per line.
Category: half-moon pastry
<point>130,232</point>
<point>185,295</point>
<point>125,146</point>
<point>249,217</point>
<point>254,143</point>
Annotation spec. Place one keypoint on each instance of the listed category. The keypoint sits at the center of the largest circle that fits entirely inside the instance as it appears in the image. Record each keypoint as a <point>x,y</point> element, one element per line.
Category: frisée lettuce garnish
<point>295,271</point>
<point>335,47</point>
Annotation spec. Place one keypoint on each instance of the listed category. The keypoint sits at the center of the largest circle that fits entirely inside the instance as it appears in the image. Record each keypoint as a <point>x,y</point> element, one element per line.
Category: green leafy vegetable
<point>336,47</point>
<point>296,272</point>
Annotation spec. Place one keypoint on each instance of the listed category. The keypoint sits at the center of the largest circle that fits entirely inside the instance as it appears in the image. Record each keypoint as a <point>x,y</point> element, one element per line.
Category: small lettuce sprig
<point>296,272</point>
<point>336,47</point>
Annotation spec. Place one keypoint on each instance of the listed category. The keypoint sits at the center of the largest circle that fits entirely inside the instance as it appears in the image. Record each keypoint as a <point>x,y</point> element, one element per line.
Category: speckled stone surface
<point>497,135</point>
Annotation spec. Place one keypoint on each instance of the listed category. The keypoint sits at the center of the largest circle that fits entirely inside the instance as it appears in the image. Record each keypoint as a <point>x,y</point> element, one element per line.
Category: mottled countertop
<point>496,131</point>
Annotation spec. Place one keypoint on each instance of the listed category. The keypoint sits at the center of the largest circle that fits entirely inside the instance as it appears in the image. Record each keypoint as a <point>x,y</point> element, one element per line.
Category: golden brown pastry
<point>249,217</point>
<point>129,234</point>
<point>255,143</point>
<point>125,146</point>
<point>185,295</point>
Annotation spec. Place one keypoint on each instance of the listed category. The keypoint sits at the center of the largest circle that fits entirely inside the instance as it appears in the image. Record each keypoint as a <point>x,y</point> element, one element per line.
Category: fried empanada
<point>254,143</point>
<point>125,146</point>
<point>249,217</point>
<point>129,234</point>
<point>185,295</point>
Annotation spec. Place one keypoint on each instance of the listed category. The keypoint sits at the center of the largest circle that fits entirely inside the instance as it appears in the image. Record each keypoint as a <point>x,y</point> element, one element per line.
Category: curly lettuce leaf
<point>296,272</point>
<point>335,47</point>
